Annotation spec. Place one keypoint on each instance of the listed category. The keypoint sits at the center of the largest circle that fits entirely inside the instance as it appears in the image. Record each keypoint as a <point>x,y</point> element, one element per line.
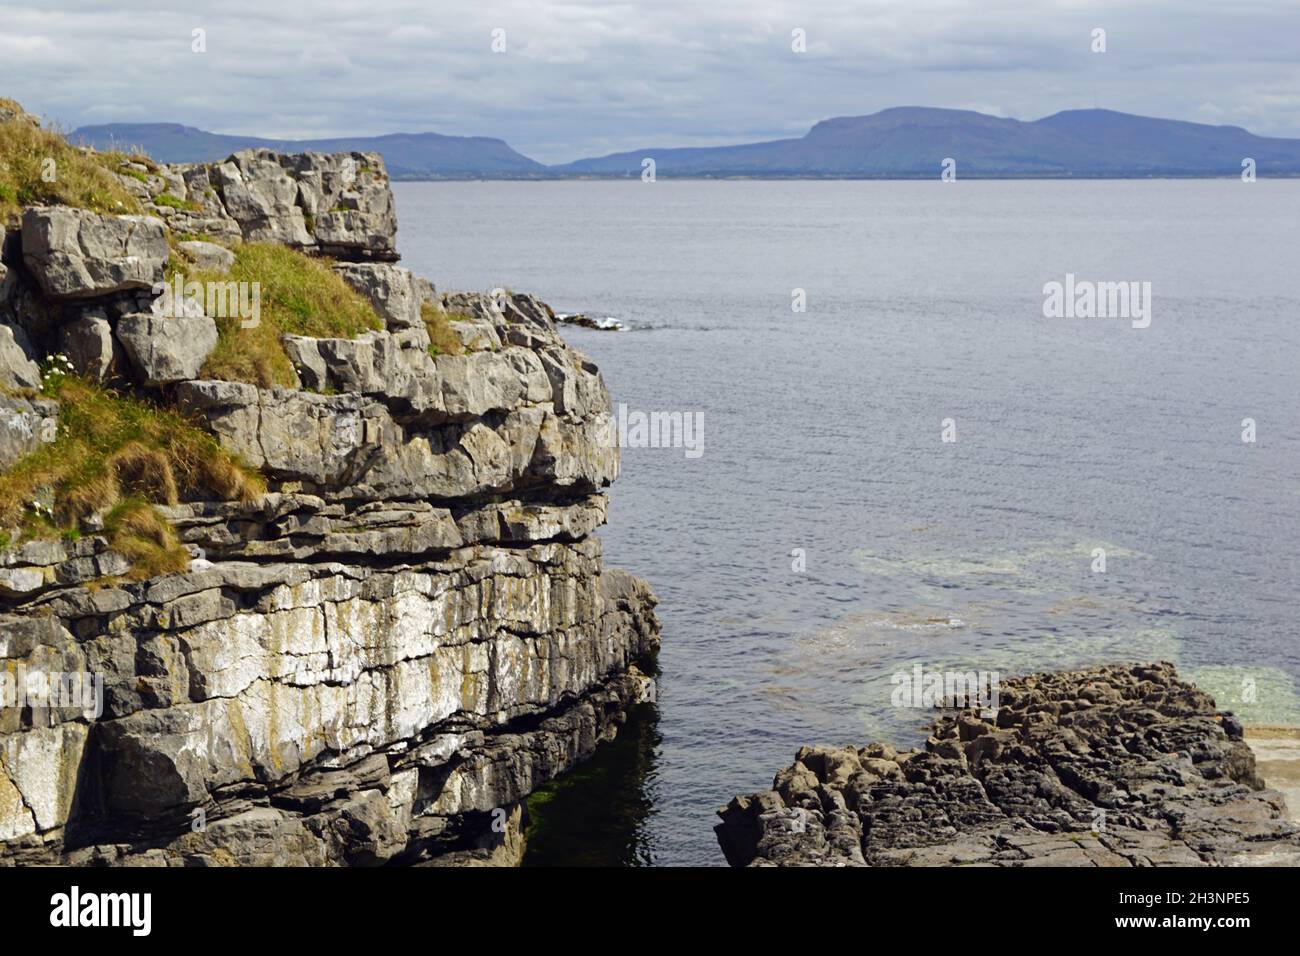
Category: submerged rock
<point>584,321</point>
<point>1122,765</point>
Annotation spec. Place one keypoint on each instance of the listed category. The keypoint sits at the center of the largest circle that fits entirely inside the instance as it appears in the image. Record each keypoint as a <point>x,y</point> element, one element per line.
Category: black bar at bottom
<point>204,906</point>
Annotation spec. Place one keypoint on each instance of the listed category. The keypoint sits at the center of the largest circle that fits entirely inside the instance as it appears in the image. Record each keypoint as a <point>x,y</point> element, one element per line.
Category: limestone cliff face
<point>377,660</point>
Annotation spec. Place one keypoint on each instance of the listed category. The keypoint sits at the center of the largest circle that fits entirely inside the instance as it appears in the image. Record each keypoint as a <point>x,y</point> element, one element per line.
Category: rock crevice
<point>377,660</point>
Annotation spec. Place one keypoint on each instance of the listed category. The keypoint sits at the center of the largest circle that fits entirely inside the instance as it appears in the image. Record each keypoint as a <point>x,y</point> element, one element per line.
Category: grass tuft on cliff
<point>172,202</point>
<point>38,167</point>
<point>442,339</point>
<point>140,534</point>
<point>300,295</point>
<point>117,456</point>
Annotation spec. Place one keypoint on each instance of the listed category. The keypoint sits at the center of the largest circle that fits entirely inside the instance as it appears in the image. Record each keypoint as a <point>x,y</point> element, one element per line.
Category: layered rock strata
<point>379,659</point>
<point>338,204</point>
<point>1123,765</point>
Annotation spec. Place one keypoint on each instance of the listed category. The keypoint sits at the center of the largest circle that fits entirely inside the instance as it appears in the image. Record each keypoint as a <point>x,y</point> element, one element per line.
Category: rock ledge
<point>1121,765</point>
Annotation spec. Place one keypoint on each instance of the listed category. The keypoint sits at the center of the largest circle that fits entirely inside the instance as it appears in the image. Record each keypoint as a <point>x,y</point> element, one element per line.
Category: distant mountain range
<point>903,143</point>
<point>407,155</point>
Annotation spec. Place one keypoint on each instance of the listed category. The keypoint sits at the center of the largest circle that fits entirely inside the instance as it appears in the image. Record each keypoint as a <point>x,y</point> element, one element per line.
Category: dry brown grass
<point>139,533</point>
<point>113,455</point>
<point>144,472</point>
<point>442,339</point>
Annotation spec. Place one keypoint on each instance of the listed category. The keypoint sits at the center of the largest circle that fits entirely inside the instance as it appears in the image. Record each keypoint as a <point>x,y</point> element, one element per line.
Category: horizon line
<point>740,142</point>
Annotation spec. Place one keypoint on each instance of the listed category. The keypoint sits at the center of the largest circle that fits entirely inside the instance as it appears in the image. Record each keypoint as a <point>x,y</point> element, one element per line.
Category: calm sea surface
<point>823,432</point>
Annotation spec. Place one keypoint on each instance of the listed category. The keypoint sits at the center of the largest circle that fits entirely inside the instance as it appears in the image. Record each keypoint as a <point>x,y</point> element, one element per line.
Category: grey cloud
<point>584,77</point>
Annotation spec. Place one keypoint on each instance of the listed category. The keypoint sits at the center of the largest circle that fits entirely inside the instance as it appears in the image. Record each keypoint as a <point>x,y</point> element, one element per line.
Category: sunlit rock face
<point>1119,765</point>
<point>380,658</point>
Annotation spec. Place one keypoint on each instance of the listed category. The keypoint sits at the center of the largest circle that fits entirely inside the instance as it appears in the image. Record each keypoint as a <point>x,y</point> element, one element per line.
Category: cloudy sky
<point>588,77</point>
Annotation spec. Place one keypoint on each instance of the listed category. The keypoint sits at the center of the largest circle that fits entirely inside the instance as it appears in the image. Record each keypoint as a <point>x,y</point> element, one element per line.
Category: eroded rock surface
<point>380,658</point>
<point>165,349</point>
<point>17,370</point>
<point>306,688</point>
<point>74,253</point>
<point>337,204</point>
<point>1123,765</point>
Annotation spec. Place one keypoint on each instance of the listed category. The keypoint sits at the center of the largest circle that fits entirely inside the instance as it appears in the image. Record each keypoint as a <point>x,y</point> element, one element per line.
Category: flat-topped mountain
<point>909,142</point>
<point>903,142</point>
<point>408,155</point>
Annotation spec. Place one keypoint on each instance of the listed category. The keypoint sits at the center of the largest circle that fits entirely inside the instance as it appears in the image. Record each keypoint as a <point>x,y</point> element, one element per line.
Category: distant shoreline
<point>929,177</point>
<point>909,142</point>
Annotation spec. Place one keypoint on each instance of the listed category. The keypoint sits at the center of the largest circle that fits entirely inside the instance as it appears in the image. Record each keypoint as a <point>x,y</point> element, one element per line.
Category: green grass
<point>79,178</point>
<point>442,340</point>
<point>167,199</point>
<point>128,171</point>
<point>117,456</point>
<point>300,295</point>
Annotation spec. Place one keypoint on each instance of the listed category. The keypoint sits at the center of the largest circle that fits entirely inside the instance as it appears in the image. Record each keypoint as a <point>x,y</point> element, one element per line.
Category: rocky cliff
<point>1123,765</point>
<point>376,653</point>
